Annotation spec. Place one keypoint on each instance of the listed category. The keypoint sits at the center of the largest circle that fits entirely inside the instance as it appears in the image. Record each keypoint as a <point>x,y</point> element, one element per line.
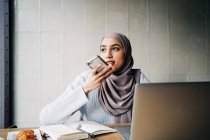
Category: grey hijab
<point>116,92</point>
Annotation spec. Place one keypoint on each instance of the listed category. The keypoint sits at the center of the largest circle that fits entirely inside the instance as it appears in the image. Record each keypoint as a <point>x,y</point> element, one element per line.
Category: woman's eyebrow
<point>104,46</point>
<point>115,45</point>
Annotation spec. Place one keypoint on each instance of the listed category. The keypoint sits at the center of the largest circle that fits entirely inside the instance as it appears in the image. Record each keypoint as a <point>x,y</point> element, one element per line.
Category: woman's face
<point>112,52</point>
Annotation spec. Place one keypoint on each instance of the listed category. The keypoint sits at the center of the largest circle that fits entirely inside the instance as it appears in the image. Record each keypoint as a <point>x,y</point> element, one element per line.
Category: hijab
<point>116,92</point>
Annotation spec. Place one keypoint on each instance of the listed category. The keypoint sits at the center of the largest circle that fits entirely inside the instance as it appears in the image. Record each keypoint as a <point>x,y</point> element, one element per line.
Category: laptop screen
<point>171,111</point>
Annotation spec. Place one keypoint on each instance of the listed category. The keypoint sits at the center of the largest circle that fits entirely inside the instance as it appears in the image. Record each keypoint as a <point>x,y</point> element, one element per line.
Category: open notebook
<point>171,111</point>
<point>76,130</point>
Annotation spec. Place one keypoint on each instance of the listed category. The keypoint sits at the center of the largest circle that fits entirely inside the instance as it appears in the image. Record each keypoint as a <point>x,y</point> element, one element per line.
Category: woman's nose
<point>109,54</point>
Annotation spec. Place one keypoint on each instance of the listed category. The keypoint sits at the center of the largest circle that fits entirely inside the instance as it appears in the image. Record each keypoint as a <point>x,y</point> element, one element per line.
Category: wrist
<point>85,88</point>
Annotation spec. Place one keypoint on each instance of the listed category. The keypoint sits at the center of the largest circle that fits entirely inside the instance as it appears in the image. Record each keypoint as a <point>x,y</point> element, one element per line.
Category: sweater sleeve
<point>66,104</point>
<point>143,78</point>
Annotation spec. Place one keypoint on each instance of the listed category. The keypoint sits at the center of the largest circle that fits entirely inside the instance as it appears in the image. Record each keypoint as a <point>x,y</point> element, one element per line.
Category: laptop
<point>171,111</point>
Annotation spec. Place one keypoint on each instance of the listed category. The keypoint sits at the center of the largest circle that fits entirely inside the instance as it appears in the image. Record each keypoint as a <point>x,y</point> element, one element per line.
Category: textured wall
<point>54,38</point>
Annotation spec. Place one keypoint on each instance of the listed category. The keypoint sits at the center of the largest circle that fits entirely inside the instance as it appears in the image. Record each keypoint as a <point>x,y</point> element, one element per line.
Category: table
<point>111,136</point>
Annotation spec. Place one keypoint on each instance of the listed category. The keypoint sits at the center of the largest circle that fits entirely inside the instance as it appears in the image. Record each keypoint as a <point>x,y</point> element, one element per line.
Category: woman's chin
<point>113,69</point>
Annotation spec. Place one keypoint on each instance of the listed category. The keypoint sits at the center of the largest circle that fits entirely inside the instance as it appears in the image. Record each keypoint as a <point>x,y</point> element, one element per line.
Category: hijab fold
<point>116,92</point>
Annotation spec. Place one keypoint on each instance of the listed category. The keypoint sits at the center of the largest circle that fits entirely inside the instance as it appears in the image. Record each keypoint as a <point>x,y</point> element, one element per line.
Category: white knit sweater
<point>74,99</point>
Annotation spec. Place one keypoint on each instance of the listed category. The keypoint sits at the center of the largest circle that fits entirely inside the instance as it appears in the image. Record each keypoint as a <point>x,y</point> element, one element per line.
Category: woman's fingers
<point>102,75</point>
<point>96,78</point>
<point>95,70</point>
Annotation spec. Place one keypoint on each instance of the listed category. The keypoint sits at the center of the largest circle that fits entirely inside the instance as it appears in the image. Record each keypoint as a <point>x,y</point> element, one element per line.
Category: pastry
<point>26,135</point>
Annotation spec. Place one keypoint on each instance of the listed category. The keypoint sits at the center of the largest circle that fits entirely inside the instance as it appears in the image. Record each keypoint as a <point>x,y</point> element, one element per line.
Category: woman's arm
<point>66,104</point>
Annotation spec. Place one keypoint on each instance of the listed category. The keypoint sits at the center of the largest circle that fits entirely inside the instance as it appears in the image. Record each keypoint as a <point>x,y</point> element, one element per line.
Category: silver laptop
<point>171,111</point>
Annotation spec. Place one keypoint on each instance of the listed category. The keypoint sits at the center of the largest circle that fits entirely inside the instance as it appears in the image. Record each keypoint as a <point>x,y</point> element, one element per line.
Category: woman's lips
<point>110,62</point>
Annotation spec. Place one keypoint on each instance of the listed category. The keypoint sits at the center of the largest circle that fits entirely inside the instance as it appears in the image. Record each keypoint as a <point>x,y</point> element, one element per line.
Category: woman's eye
<point>116,49</point>
<point>103,50</point>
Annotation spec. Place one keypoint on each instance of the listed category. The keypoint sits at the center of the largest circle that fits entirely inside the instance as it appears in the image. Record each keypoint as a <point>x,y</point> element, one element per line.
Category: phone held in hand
<point>96,61</point>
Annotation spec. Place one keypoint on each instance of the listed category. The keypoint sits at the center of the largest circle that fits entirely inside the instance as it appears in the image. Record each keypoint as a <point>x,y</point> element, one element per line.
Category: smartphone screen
<point>96,61</point>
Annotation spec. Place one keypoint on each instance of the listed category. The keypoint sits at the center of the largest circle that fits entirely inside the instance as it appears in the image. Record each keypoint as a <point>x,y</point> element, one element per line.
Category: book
<point>76,130</point>
<point>12,135</point>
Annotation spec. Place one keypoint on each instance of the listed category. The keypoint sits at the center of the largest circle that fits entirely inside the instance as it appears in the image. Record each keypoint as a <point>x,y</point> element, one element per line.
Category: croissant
<point>26,135</point>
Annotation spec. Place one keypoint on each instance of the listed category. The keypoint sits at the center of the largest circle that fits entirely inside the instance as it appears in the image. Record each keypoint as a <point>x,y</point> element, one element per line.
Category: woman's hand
<point>96,78</point>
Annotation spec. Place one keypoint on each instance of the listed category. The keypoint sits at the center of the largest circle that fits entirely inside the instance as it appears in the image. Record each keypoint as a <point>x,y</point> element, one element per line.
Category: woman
<point>105,96</point>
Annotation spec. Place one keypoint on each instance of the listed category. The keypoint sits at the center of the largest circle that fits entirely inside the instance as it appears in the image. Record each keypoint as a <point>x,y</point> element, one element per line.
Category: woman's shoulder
<point>143,78</point>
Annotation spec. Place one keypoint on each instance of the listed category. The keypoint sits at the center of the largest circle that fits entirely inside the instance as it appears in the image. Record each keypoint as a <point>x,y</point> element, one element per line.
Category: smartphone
<point>96,61</point>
